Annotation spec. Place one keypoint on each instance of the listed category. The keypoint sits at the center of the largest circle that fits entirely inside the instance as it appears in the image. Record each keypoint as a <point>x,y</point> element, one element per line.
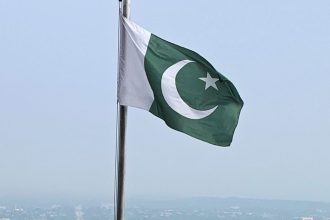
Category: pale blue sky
<point>58,62</point>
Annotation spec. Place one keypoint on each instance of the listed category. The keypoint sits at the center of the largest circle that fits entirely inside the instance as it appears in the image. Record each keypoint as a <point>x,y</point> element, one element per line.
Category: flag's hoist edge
<point>133,89</point>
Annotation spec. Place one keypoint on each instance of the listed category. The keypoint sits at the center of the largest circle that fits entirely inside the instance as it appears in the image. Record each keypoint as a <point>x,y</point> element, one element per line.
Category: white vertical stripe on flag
<point>133,86</point>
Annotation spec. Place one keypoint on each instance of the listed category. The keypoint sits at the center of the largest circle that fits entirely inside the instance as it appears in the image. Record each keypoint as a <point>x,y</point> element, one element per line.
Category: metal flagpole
<point>121,136</point>
<point>121,164</point>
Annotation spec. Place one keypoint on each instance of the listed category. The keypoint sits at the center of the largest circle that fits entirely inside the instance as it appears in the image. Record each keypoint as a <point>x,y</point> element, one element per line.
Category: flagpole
<point>121,163</point>
<point>119,212</point>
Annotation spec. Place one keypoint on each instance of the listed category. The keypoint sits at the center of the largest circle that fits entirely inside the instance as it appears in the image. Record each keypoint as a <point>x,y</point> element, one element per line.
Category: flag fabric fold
<point>177,85</point>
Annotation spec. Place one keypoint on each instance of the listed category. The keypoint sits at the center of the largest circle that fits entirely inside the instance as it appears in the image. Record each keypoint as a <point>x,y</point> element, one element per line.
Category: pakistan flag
<point>176,85</point>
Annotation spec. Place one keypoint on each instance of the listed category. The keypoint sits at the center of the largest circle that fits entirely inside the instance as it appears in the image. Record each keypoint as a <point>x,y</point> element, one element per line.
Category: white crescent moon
<point>172,96</point>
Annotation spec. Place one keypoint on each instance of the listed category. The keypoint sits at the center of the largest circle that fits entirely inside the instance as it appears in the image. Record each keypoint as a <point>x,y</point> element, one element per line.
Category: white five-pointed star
<point>209,81</point>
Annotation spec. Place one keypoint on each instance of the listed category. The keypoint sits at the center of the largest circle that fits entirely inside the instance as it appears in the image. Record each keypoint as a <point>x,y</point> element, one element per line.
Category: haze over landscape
<point>58,63</point>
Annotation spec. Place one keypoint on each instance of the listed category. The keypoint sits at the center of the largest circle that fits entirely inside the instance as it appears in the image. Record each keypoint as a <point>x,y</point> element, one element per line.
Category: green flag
<point>176,85</point>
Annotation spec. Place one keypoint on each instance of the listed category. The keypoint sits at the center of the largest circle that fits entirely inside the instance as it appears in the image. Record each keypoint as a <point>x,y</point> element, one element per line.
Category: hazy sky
<point>58,62</point>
